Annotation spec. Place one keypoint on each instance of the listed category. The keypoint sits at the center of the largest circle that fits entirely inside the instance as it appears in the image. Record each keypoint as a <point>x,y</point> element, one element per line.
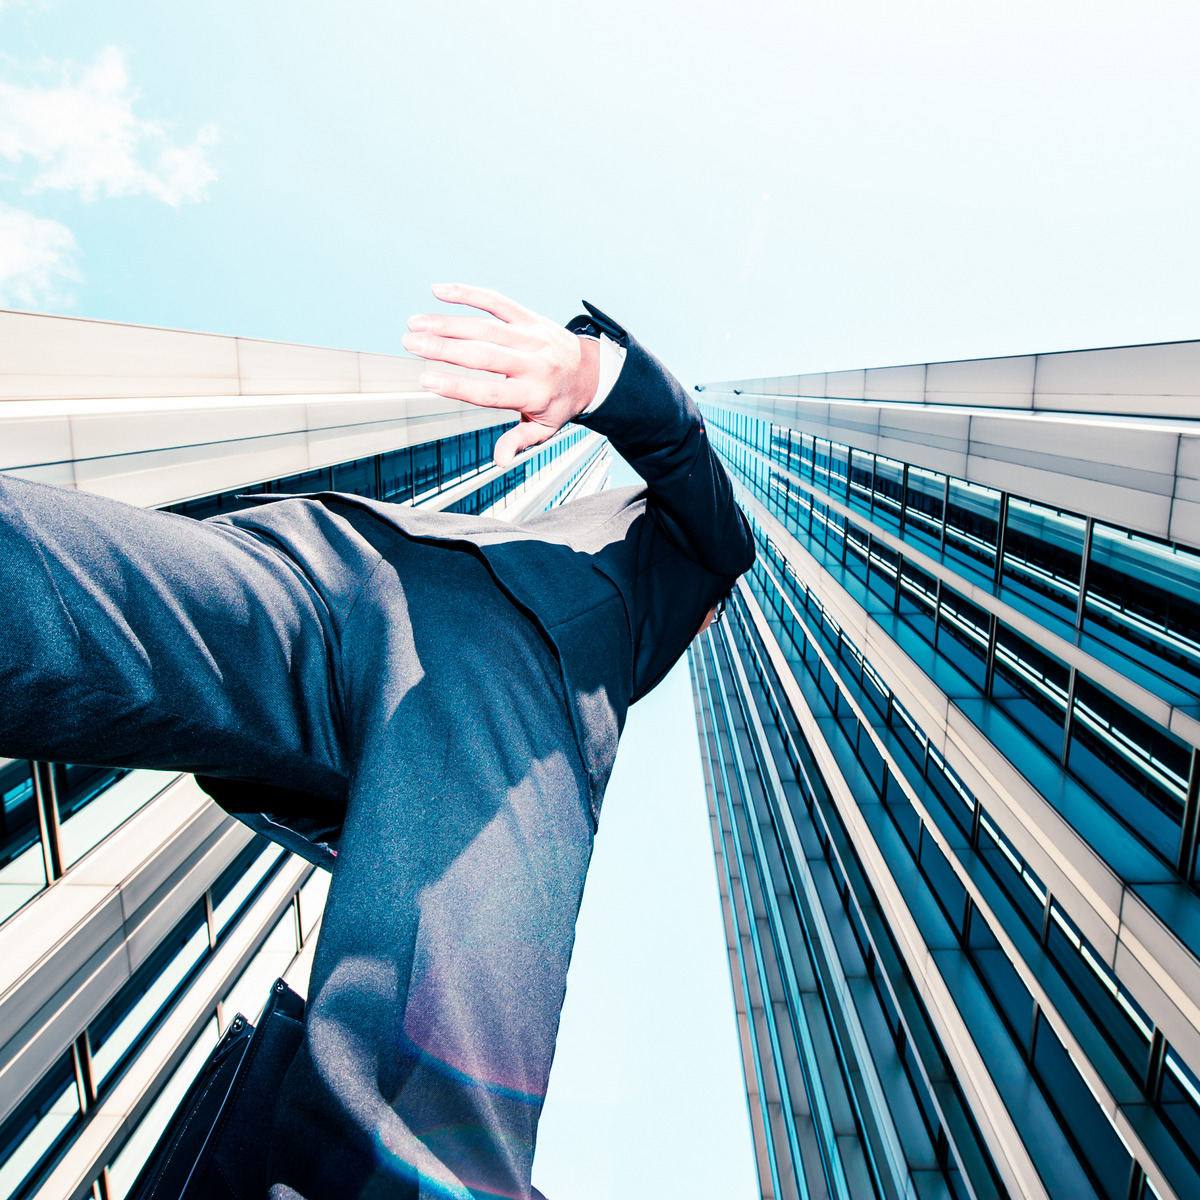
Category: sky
<point>772,187</point>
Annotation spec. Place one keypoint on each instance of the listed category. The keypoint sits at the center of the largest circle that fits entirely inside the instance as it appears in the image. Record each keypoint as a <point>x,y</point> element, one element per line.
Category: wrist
<point>587,376</point>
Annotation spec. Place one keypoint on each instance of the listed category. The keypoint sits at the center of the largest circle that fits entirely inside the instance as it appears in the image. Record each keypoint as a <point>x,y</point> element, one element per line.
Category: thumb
<point>519,437</point>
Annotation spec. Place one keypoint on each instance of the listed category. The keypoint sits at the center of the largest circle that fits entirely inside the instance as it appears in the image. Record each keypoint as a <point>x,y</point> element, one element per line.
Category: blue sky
<point>767,188</point>
<point>799,186</point>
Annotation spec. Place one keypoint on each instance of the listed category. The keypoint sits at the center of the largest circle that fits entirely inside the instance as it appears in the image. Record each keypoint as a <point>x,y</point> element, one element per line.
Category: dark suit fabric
<point>438,699</point>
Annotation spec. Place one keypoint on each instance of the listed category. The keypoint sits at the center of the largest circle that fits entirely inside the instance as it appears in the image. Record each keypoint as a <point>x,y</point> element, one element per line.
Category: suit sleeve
<point>655,426</point>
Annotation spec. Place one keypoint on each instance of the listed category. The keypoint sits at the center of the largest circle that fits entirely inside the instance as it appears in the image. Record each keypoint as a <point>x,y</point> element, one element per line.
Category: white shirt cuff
<point>612,359</point>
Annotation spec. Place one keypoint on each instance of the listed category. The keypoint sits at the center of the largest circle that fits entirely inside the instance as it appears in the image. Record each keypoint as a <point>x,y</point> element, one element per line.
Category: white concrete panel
<point>45,356</point>
<point>860,423</point>
<point>1139,374</point>
<point>1174,407</point>
<point>267,368</point>
<point>1144,511</point>
<point>1185,521</point>
<point>348,411</point>
<point>125,433</point>
<point>845,385</point>
<point>1185,512</point>
<point>389,372</point>
<point>982,382</point>
<point>28,440</point>
<point>57,474</point>
<point>165,476</point>
<point>896,383</point>
<point>1106,451</point>
<point>809,385</point>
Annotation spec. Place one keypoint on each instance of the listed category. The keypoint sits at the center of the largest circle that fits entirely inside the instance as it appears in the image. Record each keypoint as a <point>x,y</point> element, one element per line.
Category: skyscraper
<point>950,728</point>
<point>136,918</point>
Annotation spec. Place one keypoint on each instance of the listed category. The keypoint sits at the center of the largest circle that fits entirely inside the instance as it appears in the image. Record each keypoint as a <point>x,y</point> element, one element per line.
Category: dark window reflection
<point>18,809</point>
<point>924,511</point>
<point>1145,593</point>
<point>972,523</point>
<point>1043,555</point>
<point>1031,686</point>
<point>1127,761</point>
<point>74,786</point>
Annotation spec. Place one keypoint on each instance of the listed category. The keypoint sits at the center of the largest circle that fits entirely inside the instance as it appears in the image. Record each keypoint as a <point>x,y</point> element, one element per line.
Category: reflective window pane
<point>1144,599</point>
<point>963,632</point>
<point>1137,769</point>
<point>839,470</point>
<point>821,463</point>
<point>862,481</point>
<point>425,468</point>
<point>889,491</point>
<point>134,1010</point>
<point>99,800</point>
<point>37,1127</point>
<point>396,475</point>
<point>1094,1136</point>
<point>918,600</point>
<point>1180,1102</point>
<point>22,863</point>
<point>1043,556</point>
<point>1031,686</point>
<point>972,523</point>
<point>924,500</point>
<point>236,886</point>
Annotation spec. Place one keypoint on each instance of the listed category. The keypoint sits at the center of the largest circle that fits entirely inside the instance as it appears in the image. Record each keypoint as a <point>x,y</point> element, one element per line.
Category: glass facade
<point>1042,628</point>
<point>54,813</point>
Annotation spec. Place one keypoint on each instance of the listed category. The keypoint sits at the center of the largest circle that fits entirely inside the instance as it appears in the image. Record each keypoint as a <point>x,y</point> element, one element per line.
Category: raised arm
<point>549,378</point>
<point>655,426</point>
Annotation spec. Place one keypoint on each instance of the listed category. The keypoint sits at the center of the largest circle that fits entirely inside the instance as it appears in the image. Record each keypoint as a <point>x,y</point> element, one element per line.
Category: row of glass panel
<point>1139,771</point>
<point>1084,1154</point>
<point>400,476</point>
<point>54,1112</point>
<point>747,834</point>
<point>37,847</point>
<point>1134,599</point>
<point>1113,1028</point>
<point>53,814</point>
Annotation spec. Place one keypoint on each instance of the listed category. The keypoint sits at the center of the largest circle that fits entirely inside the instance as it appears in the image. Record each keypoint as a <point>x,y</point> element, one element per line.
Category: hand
<point>550,373</point>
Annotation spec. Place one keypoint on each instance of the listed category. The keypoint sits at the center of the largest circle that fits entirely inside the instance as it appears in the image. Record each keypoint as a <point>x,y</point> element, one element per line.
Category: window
<point>924,508</point>
<point>972,523</point>
<point>1144,595</point>
<point>132,1013</point>
<point>37,1128</point>
<point>1031,686</point>
<point>1043,557</point>
<point>1126,762</point>
<point>22,863</point>
<point>237,885</point>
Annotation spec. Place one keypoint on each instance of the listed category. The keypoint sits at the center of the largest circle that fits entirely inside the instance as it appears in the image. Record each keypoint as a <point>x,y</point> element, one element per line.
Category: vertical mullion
<point>1068,719</point>
<point>1191,819</point>
<point>48,826</point>
<point>1083,573</point>
<point>1001,530</point>
<point>989,669</point>
<point>945,515</point>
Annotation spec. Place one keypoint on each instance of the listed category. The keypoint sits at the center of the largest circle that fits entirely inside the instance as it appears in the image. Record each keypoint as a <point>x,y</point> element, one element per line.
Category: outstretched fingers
<point>485,298</point>
<point>487,393</point>
<point>478,356</point>
<point>474,329</point>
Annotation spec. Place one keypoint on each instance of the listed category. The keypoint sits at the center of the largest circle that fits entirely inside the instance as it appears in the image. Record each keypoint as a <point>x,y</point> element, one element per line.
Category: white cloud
<point>82,135</point>
<point>36,256</point>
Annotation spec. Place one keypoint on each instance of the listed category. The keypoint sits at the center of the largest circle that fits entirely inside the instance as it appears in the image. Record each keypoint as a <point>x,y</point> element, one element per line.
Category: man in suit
<point>428,703</point>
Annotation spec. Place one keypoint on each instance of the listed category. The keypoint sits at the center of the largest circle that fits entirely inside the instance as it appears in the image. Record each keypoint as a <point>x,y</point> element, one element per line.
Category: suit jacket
<point>619,582</point>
